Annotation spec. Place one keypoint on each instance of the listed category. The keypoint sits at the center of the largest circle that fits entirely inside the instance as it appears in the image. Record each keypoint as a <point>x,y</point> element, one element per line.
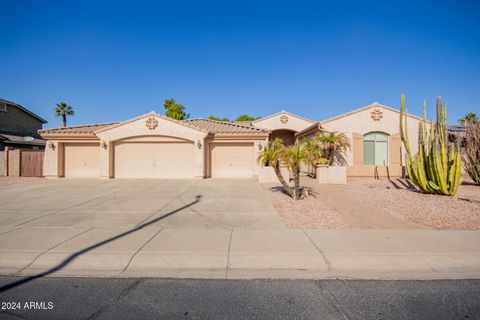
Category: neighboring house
<point>154,146</point>
<point>19,127</point>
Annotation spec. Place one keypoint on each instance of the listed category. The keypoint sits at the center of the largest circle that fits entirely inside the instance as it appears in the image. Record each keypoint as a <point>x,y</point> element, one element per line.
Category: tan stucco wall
<point>53,159</point>
<point>165,128</point>
<point>358,124</point>
<point>275,122</point>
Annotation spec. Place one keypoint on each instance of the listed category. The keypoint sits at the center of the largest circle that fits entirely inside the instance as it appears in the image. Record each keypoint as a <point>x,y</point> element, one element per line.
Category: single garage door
<point>154,160</point>
<point>82,160</point>
<point>231,160</point>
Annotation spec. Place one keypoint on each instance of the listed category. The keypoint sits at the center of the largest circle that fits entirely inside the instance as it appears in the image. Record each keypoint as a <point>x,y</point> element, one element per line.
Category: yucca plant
<point>436,168</point>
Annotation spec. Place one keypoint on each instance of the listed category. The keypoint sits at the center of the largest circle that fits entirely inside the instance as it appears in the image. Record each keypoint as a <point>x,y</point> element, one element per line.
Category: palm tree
<point>272,156</point>
<point>334,144</point>
<point>314,152</point>
<point>293,157</point>
<point>63,110</point>
<point>276,154</point>
<point>470,117</point>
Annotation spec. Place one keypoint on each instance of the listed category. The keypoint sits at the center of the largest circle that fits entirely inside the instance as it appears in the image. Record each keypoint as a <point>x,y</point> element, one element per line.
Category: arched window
<point>375,148</point>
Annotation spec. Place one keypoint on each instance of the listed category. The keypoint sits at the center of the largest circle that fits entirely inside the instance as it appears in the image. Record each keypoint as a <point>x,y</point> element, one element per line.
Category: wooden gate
<point>31,164</point>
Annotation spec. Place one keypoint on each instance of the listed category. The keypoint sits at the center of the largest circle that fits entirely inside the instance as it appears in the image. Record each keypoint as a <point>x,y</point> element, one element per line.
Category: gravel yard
<point>392,197</point>
<point>434,211</point>
<point>6,181</point>
<point>310,213</point>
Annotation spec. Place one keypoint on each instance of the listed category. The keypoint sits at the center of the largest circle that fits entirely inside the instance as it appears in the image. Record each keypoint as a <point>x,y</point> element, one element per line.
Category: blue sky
<point>116,60</point>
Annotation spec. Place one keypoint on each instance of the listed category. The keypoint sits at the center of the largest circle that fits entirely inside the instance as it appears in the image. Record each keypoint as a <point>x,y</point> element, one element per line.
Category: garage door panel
<point>154,160</point>
<point>232,160</point>
<point>82,160</point>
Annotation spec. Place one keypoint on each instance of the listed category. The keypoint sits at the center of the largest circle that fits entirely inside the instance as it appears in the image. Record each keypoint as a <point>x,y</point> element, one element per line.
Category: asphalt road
<point>94,298</point>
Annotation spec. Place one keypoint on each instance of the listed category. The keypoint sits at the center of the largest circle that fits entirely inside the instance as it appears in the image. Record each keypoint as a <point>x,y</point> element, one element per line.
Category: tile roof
<point>207,125</point>
<point>17,138</point>
<point>88,128</point>
<point>214,126</point>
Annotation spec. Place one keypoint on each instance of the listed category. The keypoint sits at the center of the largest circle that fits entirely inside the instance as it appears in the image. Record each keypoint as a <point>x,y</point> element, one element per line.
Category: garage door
<point>154,160</point>
<point>82,160</point>
<point>231,160</point>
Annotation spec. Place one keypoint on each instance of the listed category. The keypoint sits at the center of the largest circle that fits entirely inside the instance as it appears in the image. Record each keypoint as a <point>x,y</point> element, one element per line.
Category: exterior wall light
<point>104,145</point>
<point>260,147</point>
<point>51,145</point>
<point>199,144</point>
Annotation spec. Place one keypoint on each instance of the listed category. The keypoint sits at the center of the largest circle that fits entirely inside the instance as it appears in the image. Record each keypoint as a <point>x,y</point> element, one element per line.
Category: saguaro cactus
<point>436,168</point>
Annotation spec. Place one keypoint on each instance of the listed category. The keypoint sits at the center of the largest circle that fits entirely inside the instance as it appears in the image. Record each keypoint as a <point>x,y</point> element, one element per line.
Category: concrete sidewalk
<point>239,253</point>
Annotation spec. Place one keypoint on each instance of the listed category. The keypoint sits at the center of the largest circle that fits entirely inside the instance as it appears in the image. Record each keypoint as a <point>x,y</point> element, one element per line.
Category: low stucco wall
<point>267,175</point>
<point>332,175</point>
<point>372,171</point>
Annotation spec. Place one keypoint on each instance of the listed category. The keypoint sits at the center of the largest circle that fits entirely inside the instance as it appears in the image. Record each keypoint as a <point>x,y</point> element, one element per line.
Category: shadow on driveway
<point>73,256</point>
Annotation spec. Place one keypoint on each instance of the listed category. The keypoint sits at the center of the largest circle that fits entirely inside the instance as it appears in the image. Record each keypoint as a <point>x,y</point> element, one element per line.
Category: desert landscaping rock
<point>433,211</point>
<point>310,213</point>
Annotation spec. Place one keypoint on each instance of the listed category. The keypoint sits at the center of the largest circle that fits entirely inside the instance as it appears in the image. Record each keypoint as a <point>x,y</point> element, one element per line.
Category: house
<point>19,127</point>
<point>154,146</point>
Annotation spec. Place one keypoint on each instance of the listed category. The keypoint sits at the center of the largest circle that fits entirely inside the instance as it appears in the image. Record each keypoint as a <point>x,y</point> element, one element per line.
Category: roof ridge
<point>231,123</point>
<point>83,125</point>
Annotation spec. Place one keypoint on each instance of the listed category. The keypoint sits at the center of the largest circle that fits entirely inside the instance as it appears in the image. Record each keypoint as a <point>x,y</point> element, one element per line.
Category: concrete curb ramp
<point>240,253</point>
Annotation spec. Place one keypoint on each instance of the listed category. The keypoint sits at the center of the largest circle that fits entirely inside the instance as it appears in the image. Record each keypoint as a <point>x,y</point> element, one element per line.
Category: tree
<point>63,110</point>
<point>470,117</point>
<point>246,117</point>
<point>174,110</point>
<point>272,156</point>
<point>277,154</point>
<point>334,145</point>
<point>218,119</point>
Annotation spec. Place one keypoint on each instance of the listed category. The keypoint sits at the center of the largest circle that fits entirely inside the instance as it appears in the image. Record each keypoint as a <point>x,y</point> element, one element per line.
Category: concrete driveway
<point>218,204</point>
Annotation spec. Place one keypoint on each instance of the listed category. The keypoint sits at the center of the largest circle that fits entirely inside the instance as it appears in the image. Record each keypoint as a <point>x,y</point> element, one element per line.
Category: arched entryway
<point>288,136</point>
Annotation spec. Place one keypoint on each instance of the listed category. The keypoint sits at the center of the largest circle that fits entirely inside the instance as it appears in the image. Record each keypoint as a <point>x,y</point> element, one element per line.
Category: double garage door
<point>159,160</point>
<point>154,160</point>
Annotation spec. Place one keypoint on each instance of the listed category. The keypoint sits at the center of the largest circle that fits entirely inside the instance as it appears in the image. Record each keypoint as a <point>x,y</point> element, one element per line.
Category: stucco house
<point>19,127</point>
<point>154,146</point>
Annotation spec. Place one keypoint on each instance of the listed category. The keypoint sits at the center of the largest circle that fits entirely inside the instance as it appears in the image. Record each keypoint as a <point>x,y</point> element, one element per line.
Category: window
<point>3,107</point>
<point>375,149</point>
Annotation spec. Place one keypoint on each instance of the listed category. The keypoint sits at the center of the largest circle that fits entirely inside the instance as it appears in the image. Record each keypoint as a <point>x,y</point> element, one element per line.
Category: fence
<point>2,164</point>
<point>22,163</point>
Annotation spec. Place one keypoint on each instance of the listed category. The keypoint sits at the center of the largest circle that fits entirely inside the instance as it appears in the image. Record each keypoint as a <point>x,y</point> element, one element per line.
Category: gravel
<point>309,213</point>
<point>394,197</point>
<point>434,211</point>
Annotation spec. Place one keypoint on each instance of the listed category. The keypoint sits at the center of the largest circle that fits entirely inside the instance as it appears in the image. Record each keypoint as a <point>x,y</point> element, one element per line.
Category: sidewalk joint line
<point>228,254</point>
<point>51,248</point>
<point>133,256</point>
<point>319,250</point>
